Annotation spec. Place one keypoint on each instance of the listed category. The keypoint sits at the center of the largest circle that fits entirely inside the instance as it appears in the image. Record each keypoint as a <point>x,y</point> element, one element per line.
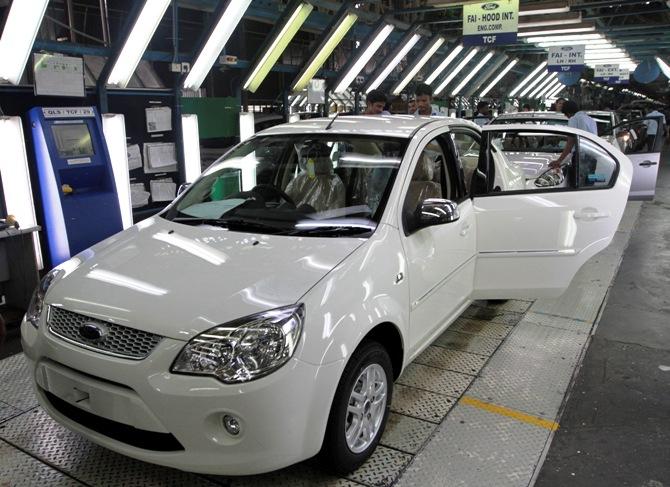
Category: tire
<point>340,454</point>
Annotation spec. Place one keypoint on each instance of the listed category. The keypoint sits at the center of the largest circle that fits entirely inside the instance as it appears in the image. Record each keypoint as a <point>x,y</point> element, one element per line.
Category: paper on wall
<point>159,157</point>
<point>138,195</point>
<point>134,157</point>
<point>163,189</point>
<point>159,119</point>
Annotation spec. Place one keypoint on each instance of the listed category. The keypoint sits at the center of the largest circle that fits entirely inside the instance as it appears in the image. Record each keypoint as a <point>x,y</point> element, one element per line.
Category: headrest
<point>323,166</point>
<point>424,169</point>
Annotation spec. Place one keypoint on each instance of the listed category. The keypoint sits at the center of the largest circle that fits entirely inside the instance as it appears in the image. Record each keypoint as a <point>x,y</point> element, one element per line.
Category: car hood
<point>178,280</point>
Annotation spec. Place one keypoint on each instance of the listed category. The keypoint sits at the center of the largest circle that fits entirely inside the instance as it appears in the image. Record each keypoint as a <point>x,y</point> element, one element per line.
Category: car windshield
<point>310,185</point>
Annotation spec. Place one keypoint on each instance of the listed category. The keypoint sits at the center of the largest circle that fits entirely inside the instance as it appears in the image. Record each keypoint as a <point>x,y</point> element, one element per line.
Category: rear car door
<point>536,229</point>
<point>641,140</point>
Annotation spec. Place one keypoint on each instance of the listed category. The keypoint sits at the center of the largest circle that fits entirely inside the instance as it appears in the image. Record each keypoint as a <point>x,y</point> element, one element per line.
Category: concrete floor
<point>615,430</point>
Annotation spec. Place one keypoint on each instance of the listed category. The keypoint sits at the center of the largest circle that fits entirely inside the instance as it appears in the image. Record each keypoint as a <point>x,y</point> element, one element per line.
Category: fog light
<point>231,424</point>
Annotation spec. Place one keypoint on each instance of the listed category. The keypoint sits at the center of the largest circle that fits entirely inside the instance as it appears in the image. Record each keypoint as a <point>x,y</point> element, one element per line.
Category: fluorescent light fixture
<point>296,100</point>
<point>459,67</point>
<point>247,129</point>
<point>549,88</point>
<point>16,178</point>
<point>277,47</point>
<point>543,8</point>
<point>556,91</point>
<point>497,79</point>
<point>535,82</point>
<point>664,67</point>
<point>114,130</point>
<point>542,85</point>
<point>568,30</point>
<point>217,40</point>
<point>588,43</point>
<point>407,46</point>
<point>574,38</point>
<point>542,21</point>
<point>471,74</point>
<point>373,45</point>
<point>443,65</point>
<point>18,37</point>
<point>191,143</point>
<point>321,54</point>
<point>303,102</point>
<point>422,60</point>
<point>137,42</point>
<point>518,87</point>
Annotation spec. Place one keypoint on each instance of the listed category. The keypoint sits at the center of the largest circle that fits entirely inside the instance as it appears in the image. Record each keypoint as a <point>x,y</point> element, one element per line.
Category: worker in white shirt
<point>483,115</point>
<point>424,100</point>
<point>577,120</point>
<point>651,122</point>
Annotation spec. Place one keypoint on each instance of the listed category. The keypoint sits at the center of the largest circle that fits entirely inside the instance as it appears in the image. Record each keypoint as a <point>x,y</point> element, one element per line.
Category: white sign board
<point>316,91</point>
<point>58,75</point>
<point>565,59</point>
<point>68,112</point>
<point>606,72</point>
<point>494,22</point>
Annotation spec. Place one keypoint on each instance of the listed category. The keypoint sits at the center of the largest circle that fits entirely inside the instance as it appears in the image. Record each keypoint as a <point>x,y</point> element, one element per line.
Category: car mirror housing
<point>182,187</point>
<point>434,211</point>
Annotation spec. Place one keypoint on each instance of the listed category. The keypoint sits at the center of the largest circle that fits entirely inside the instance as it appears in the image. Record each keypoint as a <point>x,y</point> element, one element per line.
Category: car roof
<point>533,115</point>
<point>599,112</point>
<point>403,126</point>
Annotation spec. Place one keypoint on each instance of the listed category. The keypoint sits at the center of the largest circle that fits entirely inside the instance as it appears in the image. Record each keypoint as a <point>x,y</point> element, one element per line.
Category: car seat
<point>422,186</point>
<point>317,185</point>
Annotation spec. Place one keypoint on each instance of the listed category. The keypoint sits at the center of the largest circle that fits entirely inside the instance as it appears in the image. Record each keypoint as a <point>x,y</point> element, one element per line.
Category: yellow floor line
<point>510,413</point>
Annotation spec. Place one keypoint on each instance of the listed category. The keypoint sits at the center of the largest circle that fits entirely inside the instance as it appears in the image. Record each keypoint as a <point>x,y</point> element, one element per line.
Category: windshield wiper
<point>333,230</point>
<point>230,223</point>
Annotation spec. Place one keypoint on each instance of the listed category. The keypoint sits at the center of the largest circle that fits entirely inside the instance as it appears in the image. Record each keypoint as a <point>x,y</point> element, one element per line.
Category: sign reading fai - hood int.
<point>488,23</point>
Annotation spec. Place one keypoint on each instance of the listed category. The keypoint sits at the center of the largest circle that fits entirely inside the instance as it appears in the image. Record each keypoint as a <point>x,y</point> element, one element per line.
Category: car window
<point>298,185</point>
<point>521,161</point>
<point>430,179</point>
<point>532,121</point>
<point>467,150</point>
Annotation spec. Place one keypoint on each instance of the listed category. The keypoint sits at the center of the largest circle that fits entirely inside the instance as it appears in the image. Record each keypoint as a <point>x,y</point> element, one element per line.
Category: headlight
<point>37,301</point>
<point>244,349</point>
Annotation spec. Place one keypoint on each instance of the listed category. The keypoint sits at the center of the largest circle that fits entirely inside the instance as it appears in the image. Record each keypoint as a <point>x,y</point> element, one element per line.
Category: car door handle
<point>648,163</point>
<point>590,214</point>
<point>465,229</point>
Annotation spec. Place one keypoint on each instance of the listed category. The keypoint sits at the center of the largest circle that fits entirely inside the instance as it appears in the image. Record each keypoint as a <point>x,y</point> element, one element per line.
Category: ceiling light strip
<point>471,74</point>
<point>528,78</point>
<point>497,79</point>
<point>473,52</point>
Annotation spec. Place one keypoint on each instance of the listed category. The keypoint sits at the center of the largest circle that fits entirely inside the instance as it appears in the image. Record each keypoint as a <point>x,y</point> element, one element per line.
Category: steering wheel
<point>268,191</point>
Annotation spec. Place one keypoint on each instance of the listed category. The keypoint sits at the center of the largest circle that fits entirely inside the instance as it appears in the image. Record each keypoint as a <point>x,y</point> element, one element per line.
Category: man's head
<point>424,98</point>
<point>526,108</point>
<point>411,105</point>
<point>569,108</point>
<point>375,102</point>
<point>559,104</point>
<point>483,108</point>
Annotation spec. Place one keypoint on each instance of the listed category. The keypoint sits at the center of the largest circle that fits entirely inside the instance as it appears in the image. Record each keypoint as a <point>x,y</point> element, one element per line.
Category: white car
<point>538,118</point>
<point>264,315</point>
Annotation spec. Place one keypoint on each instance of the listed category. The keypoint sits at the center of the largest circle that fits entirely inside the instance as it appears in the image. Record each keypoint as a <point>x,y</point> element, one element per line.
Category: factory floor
<point>567,391</point>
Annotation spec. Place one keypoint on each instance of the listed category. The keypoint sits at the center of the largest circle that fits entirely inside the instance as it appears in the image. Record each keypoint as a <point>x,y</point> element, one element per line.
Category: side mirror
<point>434,211</point>
<point>182,187</point>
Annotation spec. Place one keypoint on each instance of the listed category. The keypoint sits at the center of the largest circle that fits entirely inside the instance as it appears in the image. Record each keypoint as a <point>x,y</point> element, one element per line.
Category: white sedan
<point>263,317</point>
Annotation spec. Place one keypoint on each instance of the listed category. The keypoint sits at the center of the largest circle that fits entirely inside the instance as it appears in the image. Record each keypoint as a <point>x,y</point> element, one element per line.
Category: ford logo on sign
<point>490,6</point>
<point>566,48</point>
<point>92,332</point>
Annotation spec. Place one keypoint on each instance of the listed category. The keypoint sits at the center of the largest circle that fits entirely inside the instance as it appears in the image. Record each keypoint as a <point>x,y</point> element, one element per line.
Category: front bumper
<point>283,416</point>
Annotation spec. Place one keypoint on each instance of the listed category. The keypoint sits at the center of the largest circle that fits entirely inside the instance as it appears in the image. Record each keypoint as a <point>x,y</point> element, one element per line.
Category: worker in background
<point>558,106</point>
<point>411,106</point>
<point>653,128</point>
<point>577,120</point>
<point>483,115</point>
<point>424,100</point>
<point>375,103</point>
<point>525,107</point>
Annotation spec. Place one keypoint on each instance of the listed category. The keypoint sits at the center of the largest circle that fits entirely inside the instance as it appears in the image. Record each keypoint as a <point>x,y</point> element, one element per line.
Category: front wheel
<point>360,409</point>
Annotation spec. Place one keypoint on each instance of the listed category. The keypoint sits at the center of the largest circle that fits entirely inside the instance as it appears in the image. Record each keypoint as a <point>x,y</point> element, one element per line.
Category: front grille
<point>119,340</point>
<point>148,440</point>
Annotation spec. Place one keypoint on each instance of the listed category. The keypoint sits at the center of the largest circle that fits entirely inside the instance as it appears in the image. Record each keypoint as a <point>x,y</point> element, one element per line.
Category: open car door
<point>536,228</point>
<point>641,140</point>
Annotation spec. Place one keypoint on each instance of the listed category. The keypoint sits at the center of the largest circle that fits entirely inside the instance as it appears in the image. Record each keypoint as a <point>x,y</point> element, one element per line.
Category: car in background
<point>263,316</point>
<point>537,118</point>
<point>606,120</point>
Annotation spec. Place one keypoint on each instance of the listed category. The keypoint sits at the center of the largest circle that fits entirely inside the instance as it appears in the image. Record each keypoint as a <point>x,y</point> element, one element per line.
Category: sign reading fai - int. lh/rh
<point>624,77</point>
<point>566,59</point>
<point>489,23</point>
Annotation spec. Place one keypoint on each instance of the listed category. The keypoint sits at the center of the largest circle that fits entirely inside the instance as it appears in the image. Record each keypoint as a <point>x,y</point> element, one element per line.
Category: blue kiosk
<point>77,186</point>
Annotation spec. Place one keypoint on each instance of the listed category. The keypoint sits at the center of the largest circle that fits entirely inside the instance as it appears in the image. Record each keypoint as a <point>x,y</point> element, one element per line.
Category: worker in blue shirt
<point>578,120</point>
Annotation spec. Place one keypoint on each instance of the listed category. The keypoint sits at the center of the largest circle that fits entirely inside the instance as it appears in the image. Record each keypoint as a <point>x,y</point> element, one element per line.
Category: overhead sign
<point>489,23</point>
<point>566,59</point>
<point>68,112</point>
<point>624,77</point>
<point>606,73</point>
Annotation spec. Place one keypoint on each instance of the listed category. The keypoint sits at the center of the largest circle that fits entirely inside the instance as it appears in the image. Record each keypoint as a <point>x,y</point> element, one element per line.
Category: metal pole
<point>105,22</point>
<point>70,20</point>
